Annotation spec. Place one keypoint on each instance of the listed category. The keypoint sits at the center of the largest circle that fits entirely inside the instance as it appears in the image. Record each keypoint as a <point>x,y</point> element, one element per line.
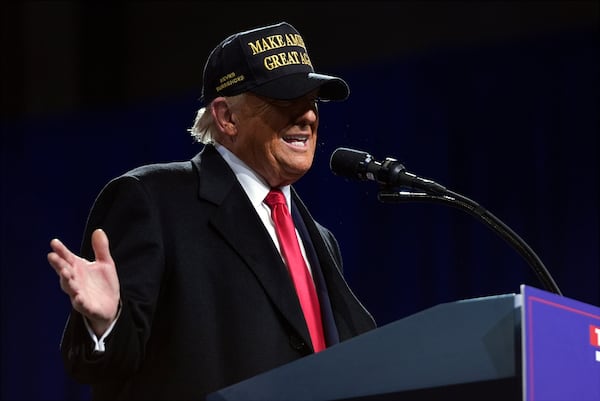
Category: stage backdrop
<point>512,125</point>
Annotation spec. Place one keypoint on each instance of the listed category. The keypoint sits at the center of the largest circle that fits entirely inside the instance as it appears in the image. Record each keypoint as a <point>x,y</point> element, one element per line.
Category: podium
<point>531,346</point>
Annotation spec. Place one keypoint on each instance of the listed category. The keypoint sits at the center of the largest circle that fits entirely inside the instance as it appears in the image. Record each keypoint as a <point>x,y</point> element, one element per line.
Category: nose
<point>310,115</point>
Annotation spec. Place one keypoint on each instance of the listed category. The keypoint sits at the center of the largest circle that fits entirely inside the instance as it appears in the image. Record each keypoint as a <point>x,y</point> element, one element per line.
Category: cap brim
<point>295,85</point>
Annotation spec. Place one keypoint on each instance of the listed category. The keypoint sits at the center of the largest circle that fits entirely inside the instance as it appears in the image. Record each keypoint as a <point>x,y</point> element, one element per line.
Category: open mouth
<point>296,140</point>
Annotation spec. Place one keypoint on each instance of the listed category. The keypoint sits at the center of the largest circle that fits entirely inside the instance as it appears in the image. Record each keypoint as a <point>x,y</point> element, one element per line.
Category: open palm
<point>93,286</point>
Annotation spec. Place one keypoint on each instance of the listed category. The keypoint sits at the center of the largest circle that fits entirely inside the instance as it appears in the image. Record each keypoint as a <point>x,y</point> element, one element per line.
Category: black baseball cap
<point>271,61</point>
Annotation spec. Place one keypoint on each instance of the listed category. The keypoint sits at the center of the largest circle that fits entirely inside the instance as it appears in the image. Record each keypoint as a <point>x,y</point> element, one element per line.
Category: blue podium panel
<point>561,343</point>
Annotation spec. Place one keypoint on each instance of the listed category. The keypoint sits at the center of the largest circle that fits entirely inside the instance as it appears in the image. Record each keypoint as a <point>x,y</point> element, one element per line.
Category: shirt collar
<point>254,185</point>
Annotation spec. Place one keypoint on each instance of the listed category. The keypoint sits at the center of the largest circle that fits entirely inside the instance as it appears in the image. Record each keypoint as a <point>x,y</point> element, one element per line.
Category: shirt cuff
<point>99,342</point>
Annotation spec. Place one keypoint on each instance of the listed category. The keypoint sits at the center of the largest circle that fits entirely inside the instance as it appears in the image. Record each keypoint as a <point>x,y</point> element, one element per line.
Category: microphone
<point>359,165</point>
<point>356,164</point>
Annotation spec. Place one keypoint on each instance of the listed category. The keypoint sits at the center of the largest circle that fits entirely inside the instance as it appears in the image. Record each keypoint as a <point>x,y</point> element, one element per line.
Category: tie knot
<point>275,197</point>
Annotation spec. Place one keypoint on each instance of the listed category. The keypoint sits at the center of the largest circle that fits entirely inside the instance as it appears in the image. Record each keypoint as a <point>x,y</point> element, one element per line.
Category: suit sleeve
<point>126,212</point>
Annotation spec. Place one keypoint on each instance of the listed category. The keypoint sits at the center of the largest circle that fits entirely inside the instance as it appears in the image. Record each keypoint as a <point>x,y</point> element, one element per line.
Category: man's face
<point>276,138</point>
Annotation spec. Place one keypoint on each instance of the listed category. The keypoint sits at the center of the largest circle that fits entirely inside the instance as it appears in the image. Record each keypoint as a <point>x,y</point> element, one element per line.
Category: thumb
<point>100,246</point>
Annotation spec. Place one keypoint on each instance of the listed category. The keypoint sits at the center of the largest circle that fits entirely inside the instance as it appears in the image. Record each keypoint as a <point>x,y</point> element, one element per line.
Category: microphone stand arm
<point>456,200</point>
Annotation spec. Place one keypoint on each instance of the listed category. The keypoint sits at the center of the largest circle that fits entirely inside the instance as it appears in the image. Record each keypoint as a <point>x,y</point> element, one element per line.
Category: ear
<point>223,116</point>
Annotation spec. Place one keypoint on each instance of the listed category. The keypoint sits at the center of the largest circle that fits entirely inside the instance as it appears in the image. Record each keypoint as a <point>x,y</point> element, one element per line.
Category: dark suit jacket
<point>207,300</point>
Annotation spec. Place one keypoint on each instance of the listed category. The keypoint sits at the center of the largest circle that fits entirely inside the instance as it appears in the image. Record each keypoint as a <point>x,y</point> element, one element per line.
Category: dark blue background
<point>512,125</point>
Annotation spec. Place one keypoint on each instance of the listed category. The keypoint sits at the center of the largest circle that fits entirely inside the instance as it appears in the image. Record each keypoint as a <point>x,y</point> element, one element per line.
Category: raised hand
<point>92,286</point>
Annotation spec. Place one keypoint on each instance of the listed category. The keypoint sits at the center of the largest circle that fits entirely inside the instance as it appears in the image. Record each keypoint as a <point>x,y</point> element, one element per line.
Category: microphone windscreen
<point>347,162</point>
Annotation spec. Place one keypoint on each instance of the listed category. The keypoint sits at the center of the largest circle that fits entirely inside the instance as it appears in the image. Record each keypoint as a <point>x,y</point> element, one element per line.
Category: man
<point>196,290</point>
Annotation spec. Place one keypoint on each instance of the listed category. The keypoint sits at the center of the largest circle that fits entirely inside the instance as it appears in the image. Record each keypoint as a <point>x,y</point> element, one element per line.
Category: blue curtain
<point>512,125</point>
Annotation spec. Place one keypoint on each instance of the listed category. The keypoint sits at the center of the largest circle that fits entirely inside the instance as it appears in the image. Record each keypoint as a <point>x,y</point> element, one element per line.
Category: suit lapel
<point>350,315</point>
<point>237,222</point>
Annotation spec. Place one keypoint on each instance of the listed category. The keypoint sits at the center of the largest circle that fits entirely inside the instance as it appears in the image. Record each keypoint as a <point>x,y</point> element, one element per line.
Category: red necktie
<point>305,286</point>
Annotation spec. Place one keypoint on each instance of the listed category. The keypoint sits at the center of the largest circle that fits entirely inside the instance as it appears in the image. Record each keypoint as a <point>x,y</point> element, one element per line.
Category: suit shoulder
<point>158,170</point>
<point>157,178</point>
<point>162,174</point>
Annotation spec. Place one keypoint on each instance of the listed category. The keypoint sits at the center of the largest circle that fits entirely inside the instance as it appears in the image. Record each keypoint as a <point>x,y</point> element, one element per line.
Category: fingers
<point>62,251</point>
<point>64,272</point>
<point>58,263</point>
<point>62,261</point>
<point>68,286</point>
<point>100,245</point>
